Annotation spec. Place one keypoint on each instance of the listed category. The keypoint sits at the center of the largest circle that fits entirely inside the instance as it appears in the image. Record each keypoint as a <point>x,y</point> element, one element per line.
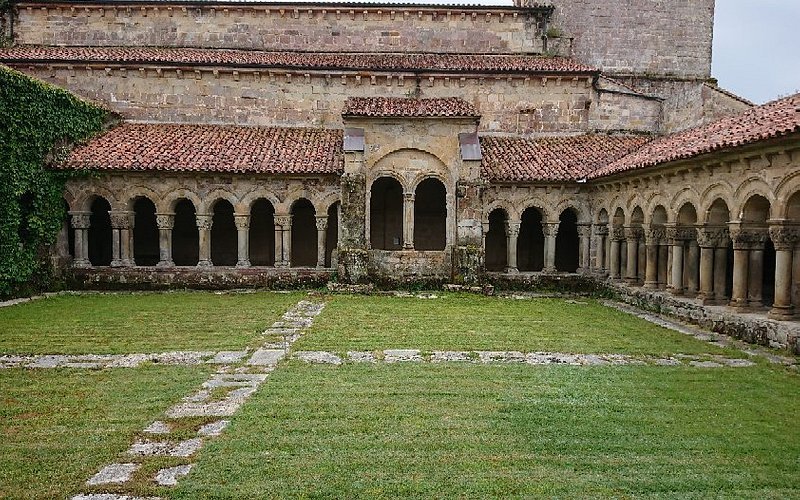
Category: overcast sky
<point>757,47</point>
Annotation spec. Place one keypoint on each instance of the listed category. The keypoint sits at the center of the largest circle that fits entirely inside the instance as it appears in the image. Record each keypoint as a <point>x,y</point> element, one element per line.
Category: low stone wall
<point>579,284</point>
<point>753,328</point>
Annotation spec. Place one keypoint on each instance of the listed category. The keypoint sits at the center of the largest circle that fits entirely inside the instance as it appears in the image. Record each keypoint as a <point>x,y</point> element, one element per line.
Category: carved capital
<point>634,233</point>
<point>121,220</point>
<point>408,197</point>
<point>512,228</point>
<point>285,221</point>
<point>204,221</point>
<point>165,221</point>
<point>618,233</point>
<point>584,231</point>
<point>550,230</point>
<point>242,221</point>
<point>747,238</point>
<point>677,234</point>
<point>655,235</point>
<point>81,220</point>
<point>322,222</point>
<point>601,230</point>
<point>784,237</point>
<point>710,237</point>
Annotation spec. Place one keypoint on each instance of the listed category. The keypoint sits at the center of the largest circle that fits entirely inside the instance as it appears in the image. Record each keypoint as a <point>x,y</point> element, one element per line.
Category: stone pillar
<point>708,239</point>
<point>120,239</point>
<point>81,221</point>
<point>550,231</point>
<point>755,277</point>
<point>165,223</point>
<point>283,240</point>
<point>741,264</point>
<point>322,226</point>
<point>676,284</point>
<point>243,239</point>
<point>632,235</point>
<point>653,237</point>
<point>617,235</point>
<point>204,222</point>
<point>692,267</point>
<point>785,238</point>
<point>721,272</point>
<point>796,275</point>
<point>600,256</point>
<point>512,235</point>
<point>663,263</point>
<point>584,235</point>
<point>408,221</point>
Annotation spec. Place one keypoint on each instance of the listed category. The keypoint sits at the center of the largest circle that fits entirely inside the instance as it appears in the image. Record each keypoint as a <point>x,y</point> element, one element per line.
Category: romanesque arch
<point>386,214</point>
<point>224,251</point>
<point>262,233</point>
<point>304,234</point>
<point>185,235</point>
<point>567,242</point>
<point>332,233</point>
<point>145,232</point>
<point>430,215</point>
<point>100,238</point>
<point>530,244</point>
<point>496,247</point>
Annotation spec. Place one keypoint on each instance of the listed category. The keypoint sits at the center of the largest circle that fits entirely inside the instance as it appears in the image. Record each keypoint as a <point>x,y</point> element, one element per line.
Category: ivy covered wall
<point>37,123</point>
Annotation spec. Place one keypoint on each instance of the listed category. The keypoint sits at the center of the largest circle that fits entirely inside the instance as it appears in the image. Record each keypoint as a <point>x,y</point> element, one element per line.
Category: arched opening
<point>145,233</point>
<point>386,214</point>
<point>661,253</point>
<point>567,242</point>
<point>331,233</point>
<point>718,216</point>
<point>603,246</point>
<point>755,214</point>
<point>100,253</point>
<point>496,251</point>
<point>304,234</point>
<point>619,255</point>
<point>185,237</point>
<point>430,215</point>
<point>688,277</point>
<point>262,233</point>
<point>224,239</point>
<point>636,249</point>
<point>530,245</point>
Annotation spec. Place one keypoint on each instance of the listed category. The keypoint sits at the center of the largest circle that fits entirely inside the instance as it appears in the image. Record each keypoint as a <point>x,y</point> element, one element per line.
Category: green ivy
<point>37,122</point>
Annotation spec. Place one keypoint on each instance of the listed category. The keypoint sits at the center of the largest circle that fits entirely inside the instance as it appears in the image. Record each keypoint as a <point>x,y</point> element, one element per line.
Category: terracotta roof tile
<point>776,119</point>
<point>552,159</point>
<point>399,107</point>
<point>212,148</point>
<point>479,63</point>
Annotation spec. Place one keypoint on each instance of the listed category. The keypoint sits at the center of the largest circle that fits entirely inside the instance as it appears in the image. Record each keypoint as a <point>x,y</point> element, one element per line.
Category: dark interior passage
<point>332,232</point>
<point>145,233</point>
<point>262,233</point>
<point>530,245</point>
<point>567,242</point>
<point>224,240</point>
<point>496,241</point>
<point>304,234</point>
<point>100,233</point>
<point>386,214</point>
<point>430,215</point>
<point>185,238</point>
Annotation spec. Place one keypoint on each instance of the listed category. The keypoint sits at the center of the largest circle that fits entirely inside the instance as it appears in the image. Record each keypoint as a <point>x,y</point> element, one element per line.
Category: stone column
<point>632,235</point>
<point>676,284</point>
<point>785,238</point>
<point>120,239</point>
<point>721,271</point>
<point>617,235</point>
<point>796,275</point>
<point>550,231</point>
<point>707,240</point>
<point>692,266</point>
<point>408,221</point>
<point>81,221</point>
<point>512,235</point>
<point>204,222</point>
<point>584,235</point>
<point>653,237</point>
<point>322,226</point>
<point>600,256</point>
<point>165,223</point>
<point>243,239</point>
<point>663,262</point>
<point>755,277</point>
<point>283,240</point>
<point>741,264</point>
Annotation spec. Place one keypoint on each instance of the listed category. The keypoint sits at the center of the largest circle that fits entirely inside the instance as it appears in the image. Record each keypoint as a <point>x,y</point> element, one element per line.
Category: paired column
<point>242,222</point>
<point>322,227</point>
<point>121,239</point>
<point>283,240</point>
<point>713,262</point>
<point>785,237</point>
<point>653,237</point>
<point>512,236</point>
<point>585,235</point>
<point>676,283</point>
<point>748,265</point>
<point>617,236</point>
<point>632,236</point>
<point>600,256</point>
<point>81,221</point>
<point>408,221</point>
<point>204,222</point>
<point>550,231</point>
<point>165,223</point>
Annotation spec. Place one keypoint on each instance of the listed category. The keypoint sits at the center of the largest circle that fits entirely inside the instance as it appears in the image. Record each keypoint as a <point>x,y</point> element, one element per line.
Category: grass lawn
<point>59,427</point>
<point>146,322</point>
<point>509,431</point>
<point>472,322</point>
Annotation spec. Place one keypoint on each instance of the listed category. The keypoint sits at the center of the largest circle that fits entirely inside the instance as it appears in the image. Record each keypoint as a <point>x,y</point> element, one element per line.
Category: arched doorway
<point>496,251</point>
<point>567,242</point>
<point>331,233</point>
<point>145,233</point>
<point>386,214</point>
<point>530,245</point>
<point>430,215</point>
<point>100,239</point>
<point>262,233</point>
<point>224,238</point>
<point>304,234</point>
<point>185,237</point>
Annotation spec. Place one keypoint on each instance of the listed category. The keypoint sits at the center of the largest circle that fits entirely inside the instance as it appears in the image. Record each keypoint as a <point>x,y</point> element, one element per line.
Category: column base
<point>511,270</point>
<point>205,263</point>
<point>243,263</point>
<point>82,264</point>
<point>282,264</point>
<point>782,313</point>
<point>651,285</point>
<point>165,263</point>
<point>678,292</point>
<point>117,263</point>
<point>549,270</point>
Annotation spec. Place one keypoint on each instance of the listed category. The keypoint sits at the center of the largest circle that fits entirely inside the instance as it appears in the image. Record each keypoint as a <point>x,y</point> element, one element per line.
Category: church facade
<point>411,141</point>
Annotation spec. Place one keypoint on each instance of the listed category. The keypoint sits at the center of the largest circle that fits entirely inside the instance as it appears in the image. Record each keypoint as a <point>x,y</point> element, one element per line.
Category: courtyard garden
<point>429,395</point>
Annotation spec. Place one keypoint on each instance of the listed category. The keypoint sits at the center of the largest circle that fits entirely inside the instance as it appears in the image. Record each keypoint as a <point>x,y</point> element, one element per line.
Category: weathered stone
<point>705,364</point>
<point>401,355</point>
<point>501,356</point>
<point>227,357</point>
<point>318,357</point>
<point>266,357</point>
<point>213,428</point>
<point>113,474</point>
<point>170,476</point>
<point>158,427</point>
<point>186,448</point>
<point>449,356</point>
<point>361,356</point>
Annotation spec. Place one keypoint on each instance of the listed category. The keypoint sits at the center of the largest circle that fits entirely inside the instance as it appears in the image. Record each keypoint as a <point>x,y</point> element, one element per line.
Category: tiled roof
<point>776,119</point>
<point>396,106</point>
<point>478,63</point>
<point>212,148</point>
<point>552,159</point>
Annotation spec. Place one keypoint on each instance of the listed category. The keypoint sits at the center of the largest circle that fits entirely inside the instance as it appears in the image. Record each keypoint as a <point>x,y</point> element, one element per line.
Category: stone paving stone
<point>86,365</point>
<point>158,427</point>
<point>501,356</point>
<point>224,408</point>
<point>449,356</point>
<point>361,356</point>
<point>150,448</point>
<point>323,357</point>
<point>594,360</point>
<point>738,363</point>
<point>226,357</point>
<point>198,397</point>
<point>129,361</point>
<point>705,364</point>
<point>234,380</point>
<point>47,361</point>
<point>169,476</point>
<point>668,362</point>
<point>113,474</point>
<point>109,496</point>
<point>186,448</point>
<point>401,355</point>
<point>266,357</point>
<point>213,428</point>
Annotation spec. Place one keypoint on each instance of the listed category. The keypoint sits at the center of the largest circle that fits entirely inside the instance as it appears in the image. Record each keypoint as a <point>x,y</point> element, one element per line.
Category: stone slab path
<point>237,378</point>
<point>98,361</point>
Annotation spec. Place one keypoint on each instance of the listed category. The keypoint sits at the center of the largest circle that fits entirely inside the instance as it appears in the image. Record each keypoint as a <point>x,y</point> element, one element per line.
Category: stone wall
<point>645,37</point>
<point>284,27</point>
<point>508,104</point>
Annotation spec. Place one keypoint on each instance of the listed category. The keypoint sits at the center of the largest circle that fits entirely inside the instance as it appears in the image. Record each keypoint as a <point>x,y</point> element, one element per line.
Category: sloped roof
<point>448,107</point>
<point>552,159</point>
<point>776,119</point>
<point>211,148</point>
<point>478,63</point>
